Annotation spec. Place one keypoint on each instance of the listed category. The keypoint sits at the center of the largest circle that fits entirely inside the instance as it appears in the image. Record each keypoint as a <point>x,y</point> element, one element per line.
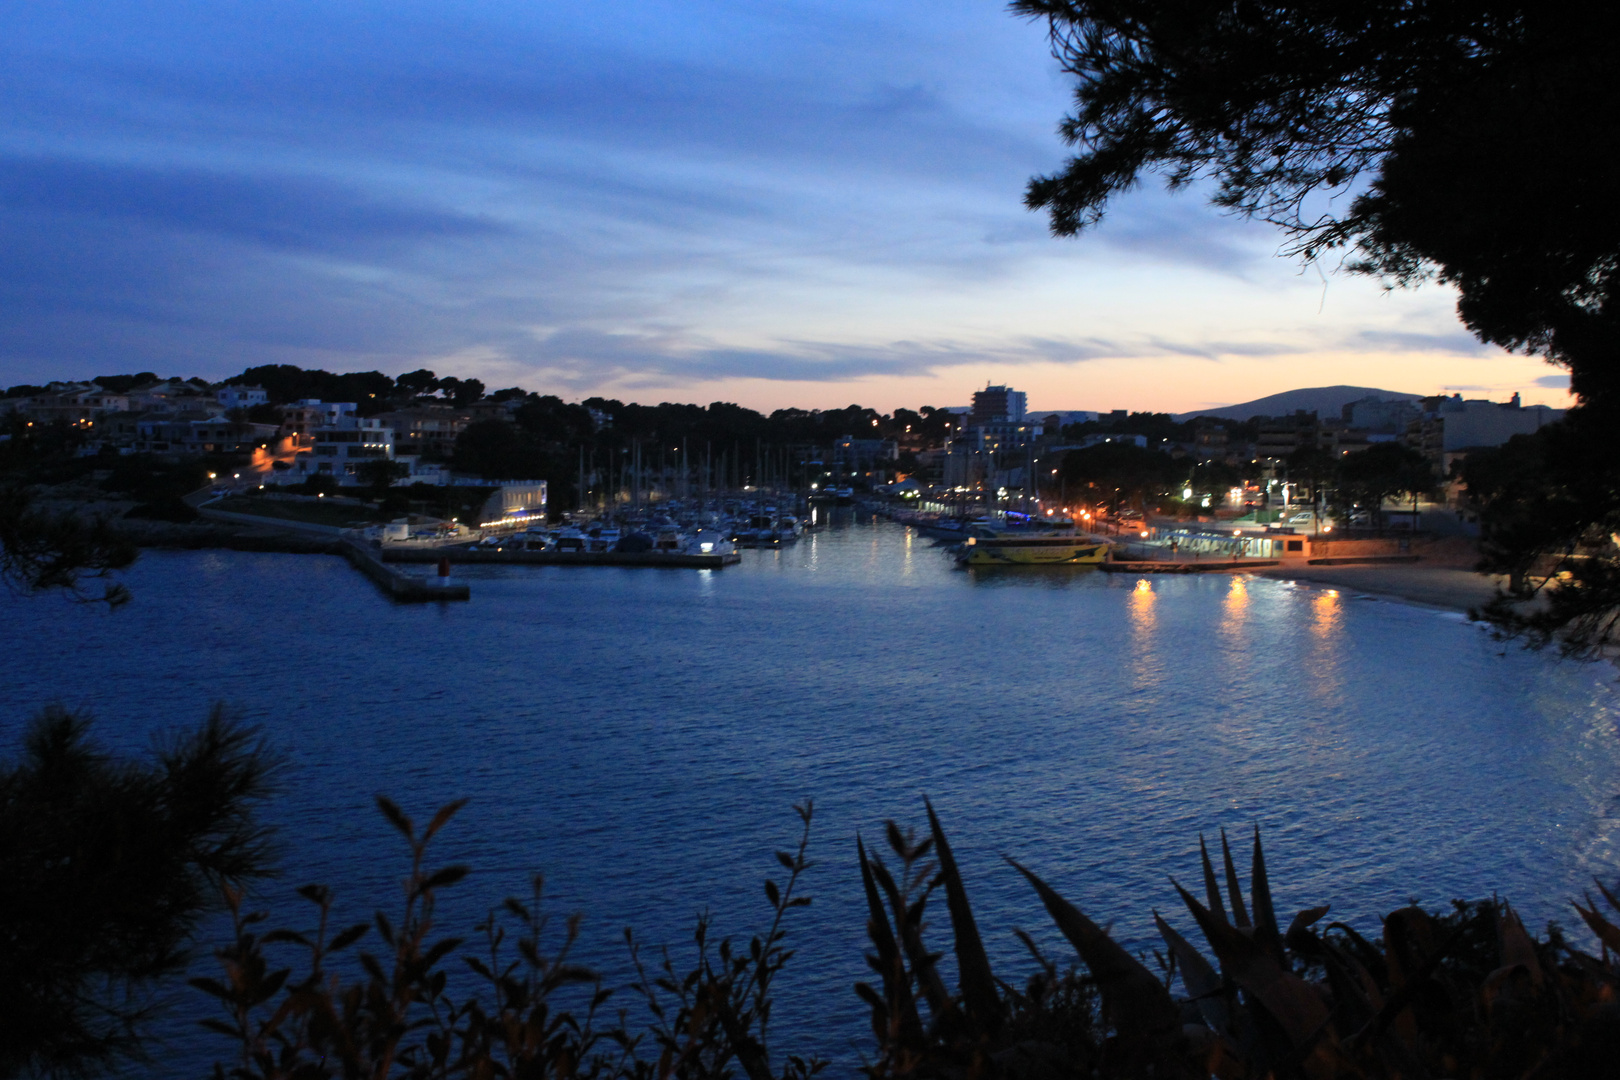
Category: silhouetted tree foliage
<point>460,391</point>
<point>371,391</point>
<point>42,550</point>
<point>551,420</point>
<point>1549,510</point>
<point>380,473</point>
<point>1156,427</point>
<point>1370,476</point>
<point>1483,133</point>
<point>119,384</point>
<point>1313,467</point>
<point>420,381</point>
<point>107,865</point>
<point>1216,476</point>
<point>1477,140</point>
<point>495,449</point>
<point>1119,474</point>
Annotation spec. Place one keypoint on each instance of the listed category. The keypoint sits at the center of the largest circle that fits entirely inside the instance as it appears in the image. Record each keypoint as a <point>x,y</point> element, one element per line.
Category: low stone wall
<point>1455,551</point>
<point>1320,548</point>
<point>271,522</point>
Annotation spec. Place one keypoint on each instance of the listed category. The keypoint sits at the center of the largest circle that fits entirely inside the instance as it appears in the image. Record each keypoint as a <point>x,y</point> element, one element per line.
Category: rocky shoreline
<point>196,535</point>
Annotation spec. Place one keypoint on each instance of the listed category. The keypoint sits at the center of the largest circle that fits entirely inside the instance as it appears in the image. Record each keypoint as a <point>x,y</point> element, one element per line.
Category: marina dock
<point>463,554</point>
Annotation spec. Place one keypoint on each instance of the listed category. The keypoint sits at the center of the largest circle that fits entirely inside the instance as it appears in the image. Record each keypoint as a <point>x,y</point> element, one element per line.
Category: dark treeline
<point>1163,428</point>
<point>595,444</point>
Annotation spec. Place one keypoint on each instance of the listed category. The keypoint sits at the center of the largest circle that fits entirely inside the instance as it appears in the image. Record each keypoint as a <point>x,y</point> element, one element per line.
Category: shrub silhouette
<point>106,868</point>
<point>1466,992</point>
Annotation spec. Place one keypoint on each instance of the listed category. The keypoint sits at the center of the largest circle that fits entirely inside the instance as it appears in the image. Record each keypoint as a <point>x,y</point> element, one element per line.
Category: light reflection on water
<point>641,735</point>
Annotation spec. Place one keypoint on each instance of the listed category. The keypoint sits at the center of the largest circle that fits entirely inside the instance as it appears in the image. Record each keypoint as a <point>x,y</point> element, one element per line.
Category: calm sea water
<point>642,735</point>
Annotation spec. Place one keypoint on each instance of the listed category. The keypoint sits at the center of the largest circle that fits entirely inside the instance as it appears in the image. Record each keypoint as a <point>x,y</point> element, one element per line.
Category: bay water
<point>641,736</point>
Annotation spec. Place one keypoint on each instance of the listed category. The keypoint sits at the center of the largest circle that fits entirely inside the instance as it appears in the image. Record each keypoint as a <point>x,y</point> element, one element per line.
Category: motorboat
<point>708,542</point>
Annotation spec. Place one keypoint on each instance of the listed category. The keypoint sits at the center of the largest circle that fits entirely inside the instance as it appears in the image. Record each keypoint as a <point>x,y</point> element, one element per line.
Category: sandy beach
<point>1447,587</point>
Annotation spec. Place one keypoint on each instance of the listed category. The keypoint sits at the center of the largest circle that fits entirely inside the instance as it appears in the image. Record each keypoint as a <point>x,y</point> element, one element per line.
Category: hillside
<point>1322,400</point>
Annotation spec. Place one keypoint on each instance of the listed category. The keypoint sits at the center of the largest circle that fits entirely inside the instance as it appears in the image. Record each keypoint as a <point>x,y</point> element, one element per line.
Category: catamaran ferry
<point>1032,550</point>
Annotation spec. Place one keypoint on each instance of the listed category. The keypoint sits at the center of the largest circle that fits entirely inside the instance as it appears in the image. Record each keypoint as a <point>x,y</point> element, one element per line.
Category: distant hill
<point>1323,400</point>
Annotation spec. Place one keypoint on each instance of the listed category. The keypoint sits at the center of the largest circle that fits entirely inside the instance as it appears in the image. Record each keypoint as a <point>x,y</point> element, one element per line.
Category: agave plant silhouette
<point>1463,993</point>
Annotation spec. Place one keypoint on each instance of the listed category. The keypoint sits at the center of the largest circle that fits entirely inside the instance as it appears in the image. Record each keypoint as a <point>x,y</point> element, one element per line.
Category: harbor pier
<point>406,588</point>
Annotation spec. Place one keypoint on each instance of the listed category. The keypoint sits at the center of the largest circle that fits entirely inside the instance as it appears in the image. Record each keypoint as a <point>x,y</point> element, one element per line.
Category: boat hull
<point>1033,551</point>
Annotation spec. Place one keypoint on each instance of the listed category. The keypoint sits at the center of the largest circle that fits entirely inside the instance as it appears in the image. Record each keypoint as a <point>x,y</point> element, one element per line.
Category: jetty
<point>406,588</point>
<point>491,556</point>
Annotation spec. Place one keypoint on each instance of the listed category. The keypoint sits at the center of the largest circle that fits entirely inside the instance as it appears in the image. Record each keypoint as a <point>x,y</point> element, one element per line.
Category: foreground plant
<point>406,1014</point>
<point>1465,993</point>
<point>108,864</point>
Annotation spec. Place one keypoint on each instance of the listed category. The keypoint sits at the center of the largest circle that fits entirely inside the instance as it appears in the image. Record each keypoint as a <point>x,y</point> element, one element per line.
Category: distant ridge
<point>1323,400</point>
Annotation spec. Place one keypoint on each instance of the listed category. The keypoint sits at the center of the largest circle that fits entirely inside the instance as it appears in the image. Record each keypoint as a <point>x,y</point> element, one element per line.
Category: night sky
<point>765,202</point>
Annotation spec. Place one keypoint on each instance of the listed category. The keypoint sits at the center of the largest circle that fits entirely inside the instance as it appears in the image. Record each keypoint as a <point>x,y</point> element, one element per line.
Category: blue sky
<point>775,203</point>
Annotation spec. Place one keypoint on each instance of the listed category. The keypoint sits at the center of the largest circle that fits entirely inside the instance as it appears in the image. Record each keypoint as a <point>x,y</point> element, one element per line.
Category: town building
<point>426,432</point>
<point>241,397</point>
<point>997,404</point>
<point>195,432</point>
<point>73,403</point>
<point>1374,415</point>
<point>1449,427</point>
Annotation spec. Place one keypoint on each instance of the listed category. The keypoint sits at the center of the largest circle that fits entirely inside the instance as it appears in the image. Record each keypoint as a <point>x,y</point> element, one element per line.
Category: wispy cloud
<point>685,191</point>
<point>1458,341</point>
